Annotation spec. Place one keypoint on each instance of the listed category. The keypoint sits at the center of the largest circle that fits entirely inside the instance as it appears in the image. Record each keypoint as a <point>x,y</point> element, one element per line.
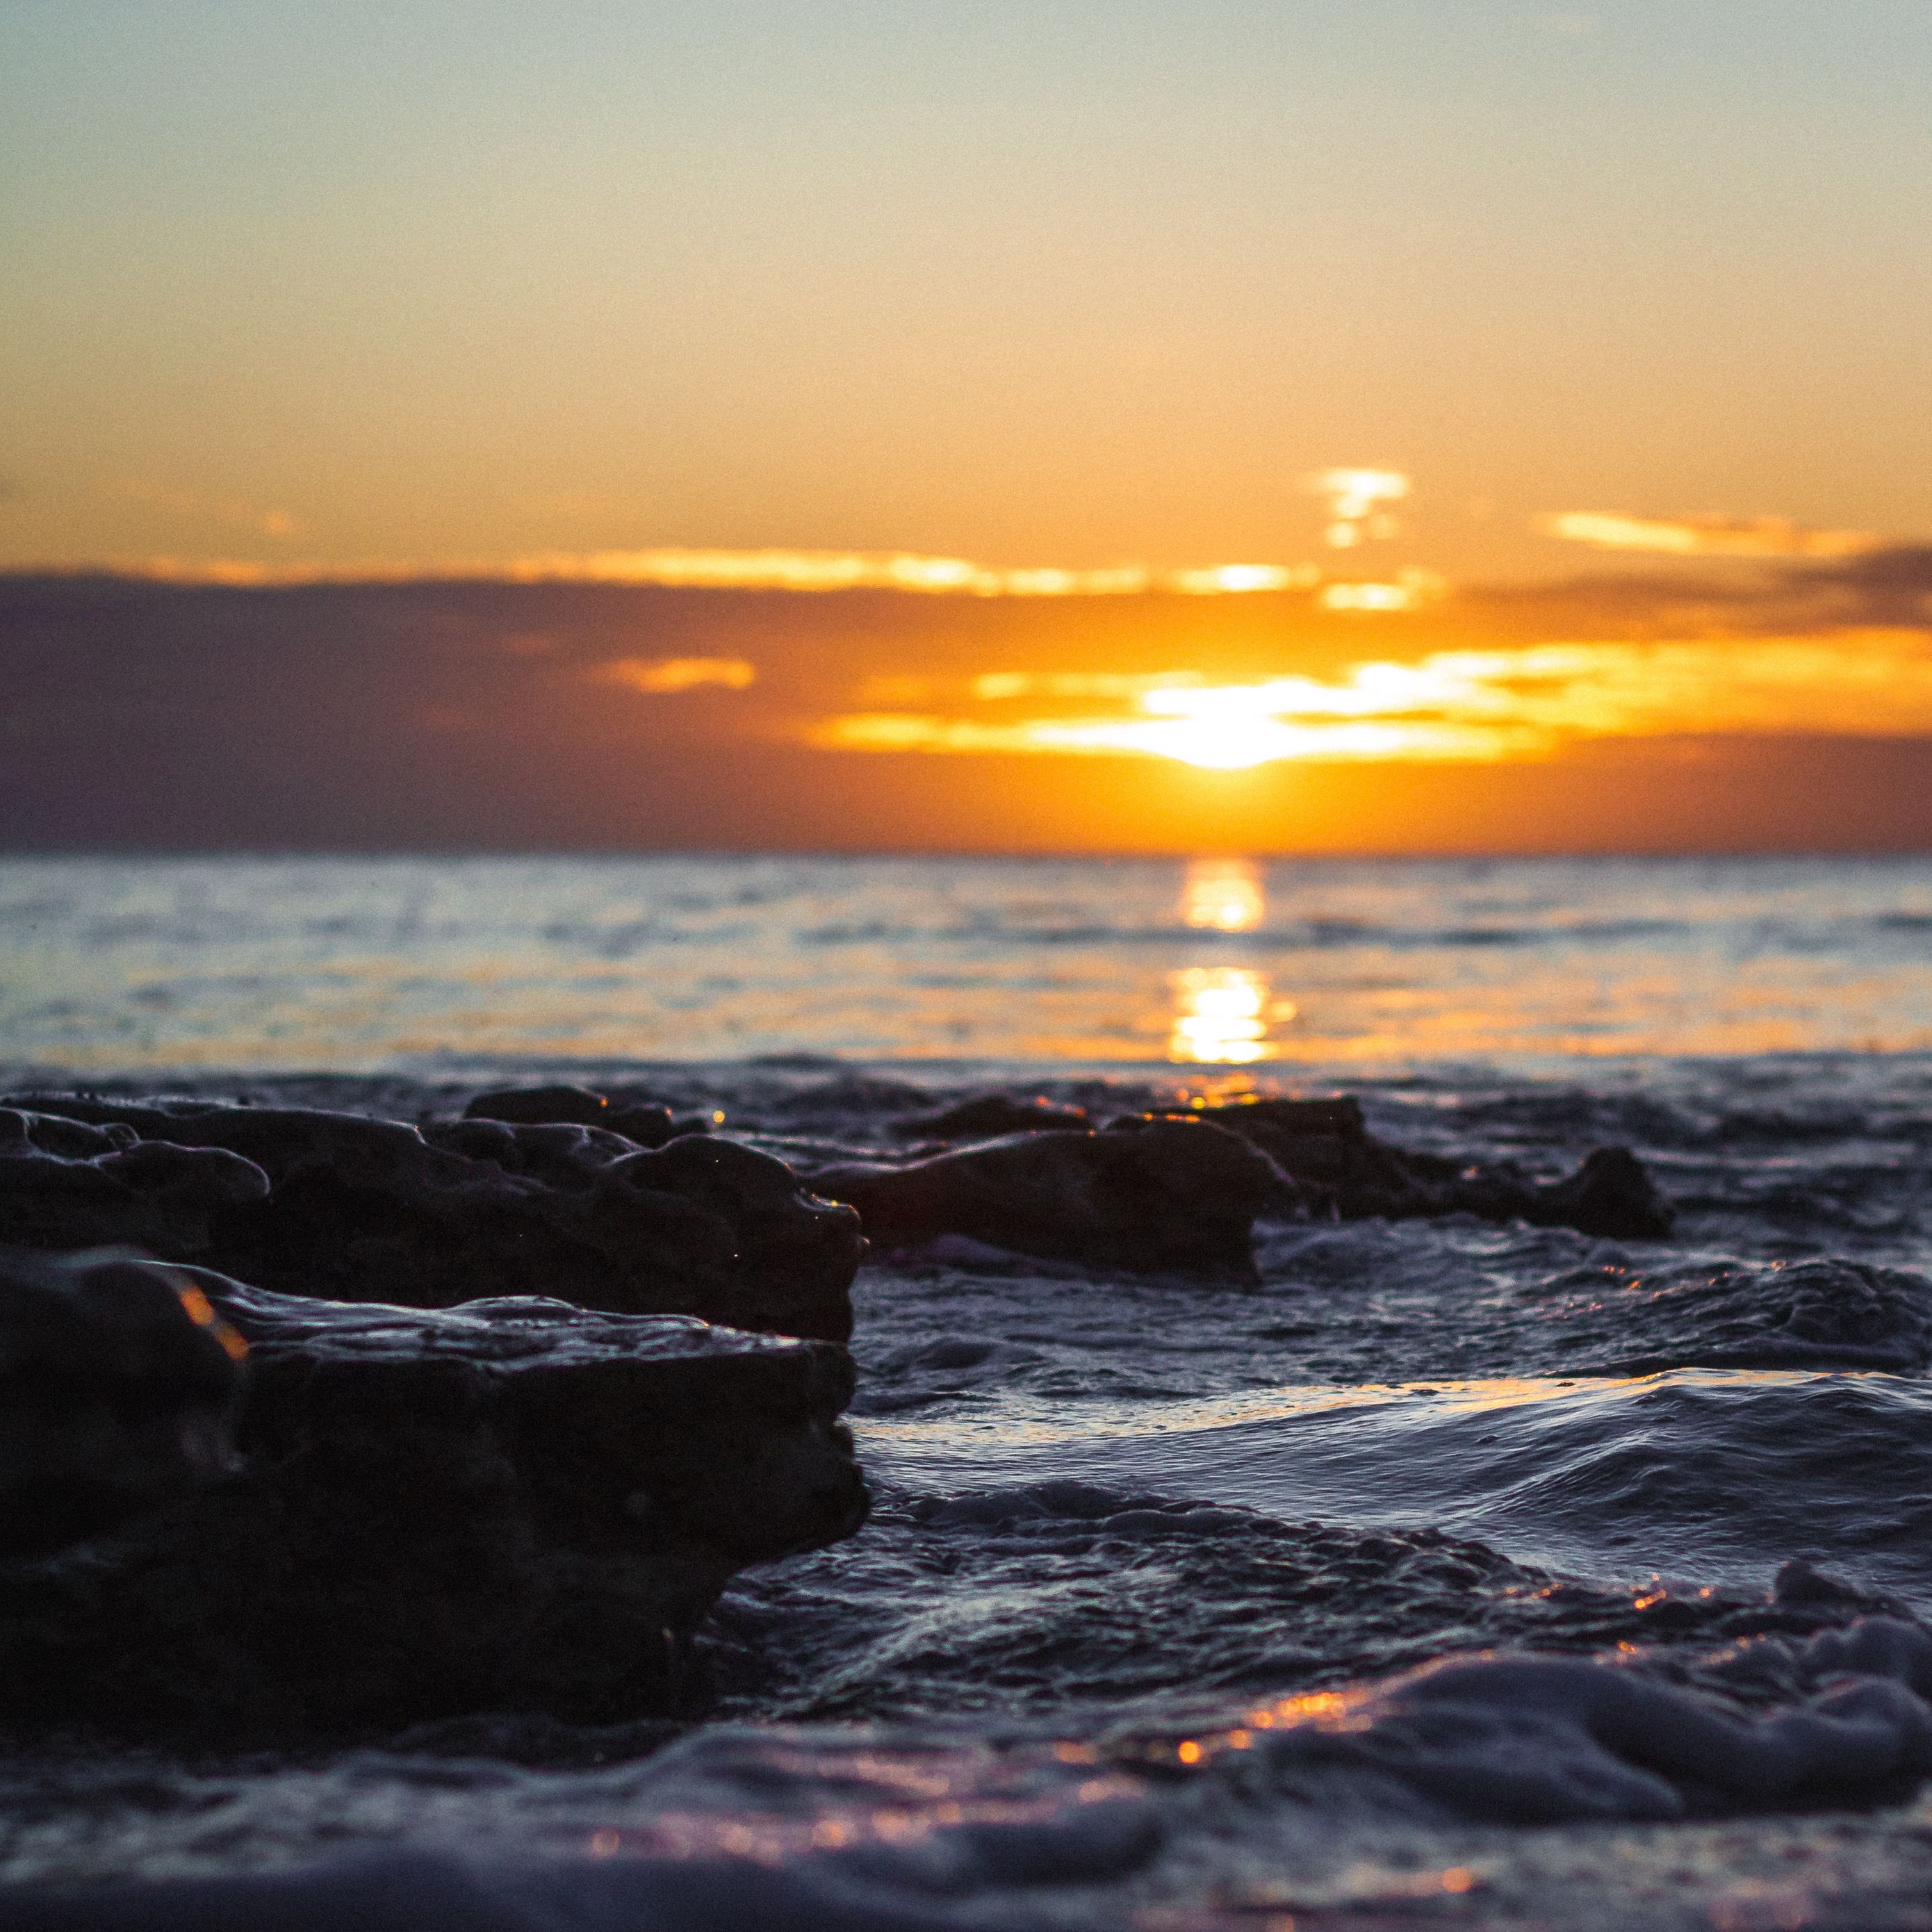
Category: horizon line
<point>1002,855</point>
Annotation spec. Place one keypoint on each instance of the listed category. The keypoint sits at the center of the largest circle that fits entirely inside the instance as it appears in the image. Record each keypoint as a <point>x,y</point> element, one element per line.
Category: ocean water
<point>1451,1574</point>
<point>339,963</point>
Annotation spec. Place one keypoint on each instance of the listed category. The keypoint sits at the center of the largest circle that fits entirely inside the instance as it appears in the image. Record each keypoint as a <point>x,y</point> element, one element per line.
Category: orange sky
<point>1172,419</point>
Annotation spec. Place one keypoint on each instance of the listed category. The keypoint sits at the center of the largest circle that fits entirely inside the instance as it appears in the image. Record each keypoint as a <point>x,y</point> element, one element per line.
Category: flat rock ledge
<point>517,1505</point>
<point>338,1206</point>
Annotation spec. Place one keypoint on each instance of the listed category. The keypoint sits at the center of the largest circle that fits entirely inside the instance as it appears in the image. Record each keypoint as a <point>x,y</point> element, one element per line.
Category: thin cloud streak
<point>1413,588</point>
<point>661,677</point>
<point>1706,535</point>
<point>1886,583</point>
<point>779,570</point>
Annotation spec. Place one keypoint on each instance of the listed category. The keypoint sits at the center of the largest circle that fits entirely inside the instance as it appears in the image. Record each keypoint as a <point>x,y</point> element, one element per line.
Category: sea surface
<point>1449,1574</point>
<point>340,963</point>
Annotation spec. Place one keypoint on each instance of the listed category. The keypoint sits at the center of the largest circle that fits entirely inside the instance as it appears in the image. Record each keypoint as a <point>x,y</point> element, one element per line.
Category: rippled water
<point>340,962</point>
<point>1124,1644</point>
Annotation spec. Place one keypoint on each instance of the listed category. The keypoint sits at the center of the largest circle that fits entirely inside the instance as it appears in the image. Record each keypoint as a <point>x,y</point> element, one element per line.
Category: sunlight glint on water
<point>346,962</point>
<point>1222,1014</point>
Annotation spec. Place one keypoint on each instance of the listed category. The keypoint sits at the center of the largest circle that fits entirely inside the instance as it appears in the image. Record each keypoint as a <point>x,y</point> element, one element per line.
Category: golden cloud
<point>788,570</point>
<point>1521,701</point>
<point>662,676</point>
<point>1705,536</point>
<point>1411,589</point>
<point>992,687</point>
<point>1355,498</point>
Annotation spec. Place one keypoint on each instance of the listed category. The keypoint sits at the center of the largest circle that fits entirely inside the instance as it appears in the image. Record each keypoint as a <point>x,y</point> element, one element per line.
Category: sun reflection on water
<point>1222,1014</point>
<point>1223,895</point>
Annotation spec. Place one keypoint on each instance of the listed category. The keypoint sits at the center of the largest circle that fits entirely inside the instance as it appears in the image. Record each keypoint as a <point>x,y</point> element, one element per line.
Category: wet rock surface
<point>1150,1194</point>
<point>118,1388</point>
<point>1178,1191</point>
<point>516,1505</point>
<point>68,1183</point>
<point>1340,1168</point>
<point>310,1202</point>
<point>645,1123</point>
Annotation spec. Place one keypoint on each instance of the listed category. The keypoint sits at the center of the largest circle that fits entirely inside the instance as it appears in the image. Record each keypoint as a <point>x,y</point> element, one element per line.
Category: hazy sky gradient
<point>1042,282</point>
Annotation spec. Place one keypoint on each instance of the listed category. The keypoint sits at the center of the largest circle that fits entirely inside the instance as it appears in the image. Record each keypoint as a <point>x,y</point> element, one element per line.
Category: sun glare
<point>1511,702</point>
<point>1231,727</point>
<point>1231,744</point>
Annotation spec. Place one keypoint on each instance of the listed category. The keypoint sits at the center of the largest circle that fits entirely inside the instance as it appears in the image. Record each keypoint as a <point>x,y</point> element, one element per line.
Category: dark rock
<point>65,1183</point>
<point>540,1106</point>
<point>518,1505</point>
<point>118,1382</point>
<point>1611,1194</point>
<point>651,1127</point>
<point>989,1115</point>
<point>642,1122</point>
<point>1325,1146</point>
<point>1153,1195</point>
<point>1802,1583</point>
<point>1179,1192</point>
<point>351,1209</point>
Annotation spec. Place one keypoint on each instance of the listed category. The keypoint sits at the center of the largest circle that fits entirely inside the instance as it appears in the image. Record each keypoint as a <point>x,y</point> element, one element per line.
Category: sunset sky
<point>1468,384</point>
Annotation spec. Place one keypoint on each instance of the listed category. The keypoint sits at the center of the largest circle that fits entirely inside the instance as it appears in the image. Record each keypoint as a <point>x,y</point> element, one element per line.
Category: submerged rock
<point>1325,1147</point>
<point>351,1209</point>
<point>1525,1739</point>
<point>1150,1194</point>
<point>117,1389</point>
<point>518,1505</point>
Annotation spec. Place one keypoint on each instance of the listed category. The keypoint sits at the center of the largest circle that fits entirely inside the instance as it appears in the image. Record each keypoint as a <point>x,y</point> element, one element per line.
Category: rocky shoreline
<point>420,1419</point>
<point>376,1456</point>
<point>309,1201</point>
<point>518,1505</point>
